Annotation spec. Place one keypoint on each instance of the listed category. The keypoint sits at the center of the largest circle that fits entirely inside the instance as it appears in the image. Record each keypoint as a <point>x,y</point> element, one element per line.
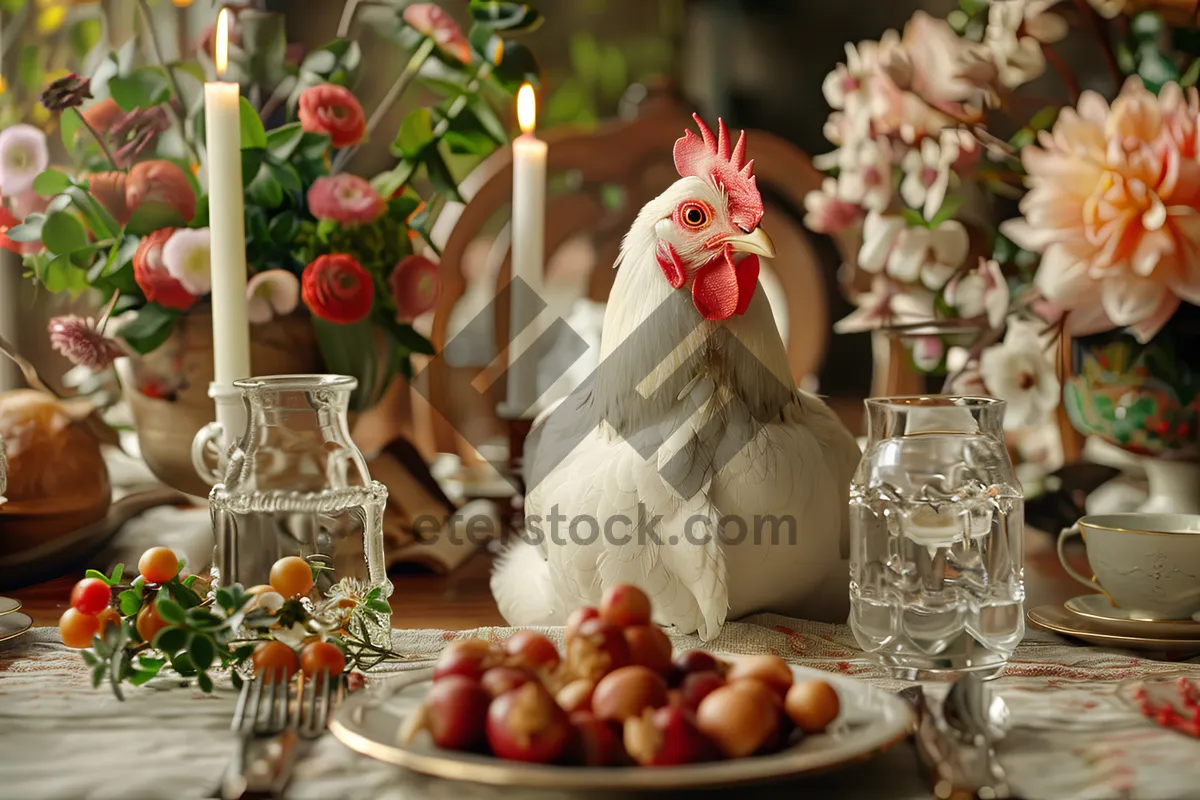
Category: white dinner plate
<point>9,605</point>
<point>871,720</point>
<point>1097,607</point>
<point>13,625</point>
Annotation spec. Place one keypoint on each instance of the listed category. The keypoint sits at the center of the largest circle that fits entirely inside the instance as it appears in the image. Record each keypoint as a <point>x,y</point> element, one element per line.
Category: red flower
<point>415,287</point>
<point>7,220</point>
<point>332,110</point>
<point>337,289</point>
<point>160,182</point>
<point>152,277</point>
<point>344,198</point>
<point>22,205</point>
<point>432,21</point>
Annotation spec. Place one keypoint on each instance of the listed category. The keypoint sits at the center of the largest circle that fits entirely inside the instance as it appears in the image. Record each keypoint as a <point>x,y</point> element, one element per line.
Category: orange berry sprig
<point>127,633</point>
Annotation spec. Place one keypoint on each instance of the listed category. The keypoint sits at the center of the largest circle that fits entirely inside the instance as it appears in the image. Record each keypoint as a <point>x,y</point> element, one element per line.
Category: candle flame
<point>526,108</point>
<point>221,42</point>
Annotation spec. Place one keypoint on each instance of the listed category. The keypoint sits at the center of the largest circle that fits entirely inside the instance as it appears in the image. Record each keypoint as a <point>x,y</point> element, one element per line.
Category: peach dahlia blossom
<point>1114,209</point>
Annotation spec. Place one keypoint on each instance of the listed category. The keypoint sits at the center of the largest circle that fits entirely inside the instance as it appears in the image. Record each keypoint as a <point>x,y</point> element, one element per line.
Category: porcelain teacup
<point>1147,564</point>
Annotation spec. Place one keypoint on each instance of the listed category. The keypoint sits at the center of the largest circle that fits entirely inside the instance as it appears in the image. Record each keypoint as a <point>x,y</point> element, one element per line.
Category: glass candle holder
<point>296,485</point>
<point>936,520</point>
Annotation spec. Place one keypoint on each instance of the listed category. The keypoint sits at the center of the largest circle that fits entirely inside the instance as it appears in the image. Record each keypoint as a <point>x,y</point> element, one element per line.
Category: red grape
<point>649,647</point>
<point>468,657</point>
<point>625,605</point>
<point>577,618</point>
<point>531,650</point>
<point>597,649</point>
<point>627,692</point>
<point>498,680</point>
<point>698,685</point>
<point>456,711</point>
<point>527,725</point>
<point>667,737</point>
<point>593,742</point>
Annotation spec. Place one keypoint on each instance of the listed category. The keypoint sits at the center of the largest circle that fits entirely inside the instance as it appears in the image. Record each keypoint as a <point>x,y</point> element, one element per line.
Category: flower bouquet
<point>939,131</point>
<point>125,219</point>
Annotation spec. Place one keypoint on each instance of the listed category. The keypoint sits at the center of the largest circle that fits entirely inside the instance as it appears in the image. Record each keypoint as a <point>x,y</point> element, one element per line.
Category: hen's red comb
<point>710,157</point>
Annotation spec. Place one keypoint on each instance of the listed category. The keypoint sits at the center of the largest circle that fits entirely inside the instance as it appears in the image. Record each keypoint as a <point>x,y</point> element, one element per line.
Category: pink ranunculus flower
<point>345,199</point>
<point>334,111</point>
<point>432,21</point>
<point>415,285</point>
<point>1114,208</point>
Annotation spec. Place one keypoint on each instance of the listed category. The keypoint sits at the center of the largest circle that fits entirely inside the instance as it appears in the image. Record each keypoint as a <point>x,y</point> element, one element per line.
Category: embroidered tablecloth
<point>1072,736</point>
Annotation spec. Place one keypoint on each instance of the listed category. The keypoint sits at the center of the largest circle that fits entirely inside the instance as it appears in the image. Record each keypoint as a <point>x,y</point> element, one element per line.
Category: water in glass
<point>936,516</point>
<point>296,485</point>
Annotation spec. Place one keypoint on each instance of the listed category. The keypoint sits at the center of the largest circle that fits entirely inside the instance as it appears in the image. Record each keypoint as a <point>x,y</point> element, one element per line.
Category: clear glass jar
<point>296,485</point>
<point>936,518</point>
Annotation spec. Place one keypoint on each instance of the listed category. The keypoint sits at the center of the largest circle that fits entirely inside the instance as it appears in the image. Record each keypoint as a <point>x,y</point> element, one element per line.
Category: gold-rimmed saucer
<point>1059,620</point>
<point>13,625</point>
<point>1117,620</point>
<point>8,605</point>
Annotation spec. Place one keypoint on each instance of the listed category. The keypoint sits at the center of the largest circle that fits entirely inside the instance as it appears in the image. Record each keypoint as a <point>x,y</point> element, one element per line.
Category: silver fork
<point>271,722</point>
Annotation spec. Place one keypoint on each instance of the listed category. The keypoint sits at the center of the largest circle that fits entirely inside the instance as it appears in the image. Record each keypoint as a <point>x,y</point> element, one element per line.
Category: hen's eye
<point>693,215</point>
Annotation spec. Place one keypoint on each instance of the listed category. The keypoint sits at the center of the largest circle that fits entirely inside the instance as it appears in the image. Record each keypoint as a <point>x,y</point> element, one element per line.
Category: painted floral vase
<point>1145,399</point>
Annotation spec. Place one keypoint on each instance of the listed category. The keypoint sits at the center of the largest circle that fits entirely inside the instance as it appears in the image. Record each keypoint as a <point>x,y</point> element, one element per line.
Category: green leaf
<point>519,66</point>
<point>183,595</point>
<point>254,136</point>
<point>439,174</point>
<point>101,222</point>
<point>189,580</point>
<point>117,572</point>
<point>153,216</point>
<point>486,44</point>
<point>379,606</point>
<point>59,275</point>
<point>947,211</point>
<point>120,255</point>
<point>264,190</point>
<point>98,672</point>
<point>388,183</point>
<point>913,218</point>
<point>505,16</point>
<point>168,609</point>
<point>12,6</point>
<point>63,233</point>
<point>313,145</point>
<point>284,227</point>
<point>488,120</point>
<point>1192,75</point>
<point>252,161</point>
<point>204,682</point>
<point>170,640</point>
<point>202,618</point>
<point>29,69</point>
<point>182,663</point>
<point>51,182</point>
<point>70,122</point>
<point>130,602</point>
<point>142,88</point>
<point>28,231</point>
<point>283,141</point>
<point>264,41</point>
<point>97,574</point>
<point>973,7</point>
<point>467,134</point>
<point>1044,119</point>
<point>286,176</point>
<point>409,338</point>
<point>224,598</point>
<point>89,657</point>
<point>202,651</point>
<point>416,132</point>
<point>150,328</point>
<point>142,676</point>
<point>400,208</point>
<point>84,35</point>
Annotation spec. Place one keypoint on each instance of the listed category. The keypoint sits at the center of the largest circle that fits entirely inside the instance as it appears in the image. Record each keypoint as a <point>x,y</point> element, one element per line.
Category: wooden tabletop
<point>463,599</point>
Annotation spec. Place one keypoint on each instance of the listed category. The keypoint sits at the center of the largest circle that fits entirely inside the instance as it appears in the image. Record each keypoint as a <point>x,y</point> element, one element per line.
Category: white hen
<point>688,464</point>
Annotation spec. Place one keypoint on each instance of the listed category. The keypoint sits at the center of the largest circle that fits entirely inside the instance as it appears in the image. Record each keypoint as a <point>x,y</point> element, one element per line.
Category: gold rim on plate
<point>364,724</point>
<point>5,635</point>
<point>8,605</point>
<point>1120,621</point>
<point>1059,620</point>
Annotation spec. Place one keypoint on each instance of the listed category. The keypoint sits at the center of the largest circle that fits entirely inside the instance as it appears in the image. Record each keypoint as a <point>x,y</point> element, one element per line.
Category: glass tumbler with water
<point>936,517</point>
<point>296,485</point>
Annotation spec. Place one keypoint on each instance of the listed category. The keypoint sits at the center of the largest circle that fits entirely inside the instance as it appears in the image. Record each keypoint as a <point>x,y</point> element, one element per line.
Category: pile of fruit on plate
<point>615,696</point>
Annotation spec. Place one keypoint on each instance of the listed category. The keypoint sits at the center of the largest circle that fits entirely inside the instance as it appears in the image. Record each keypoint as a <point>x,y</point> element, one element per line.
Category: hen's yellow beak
<point>756,241</point>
